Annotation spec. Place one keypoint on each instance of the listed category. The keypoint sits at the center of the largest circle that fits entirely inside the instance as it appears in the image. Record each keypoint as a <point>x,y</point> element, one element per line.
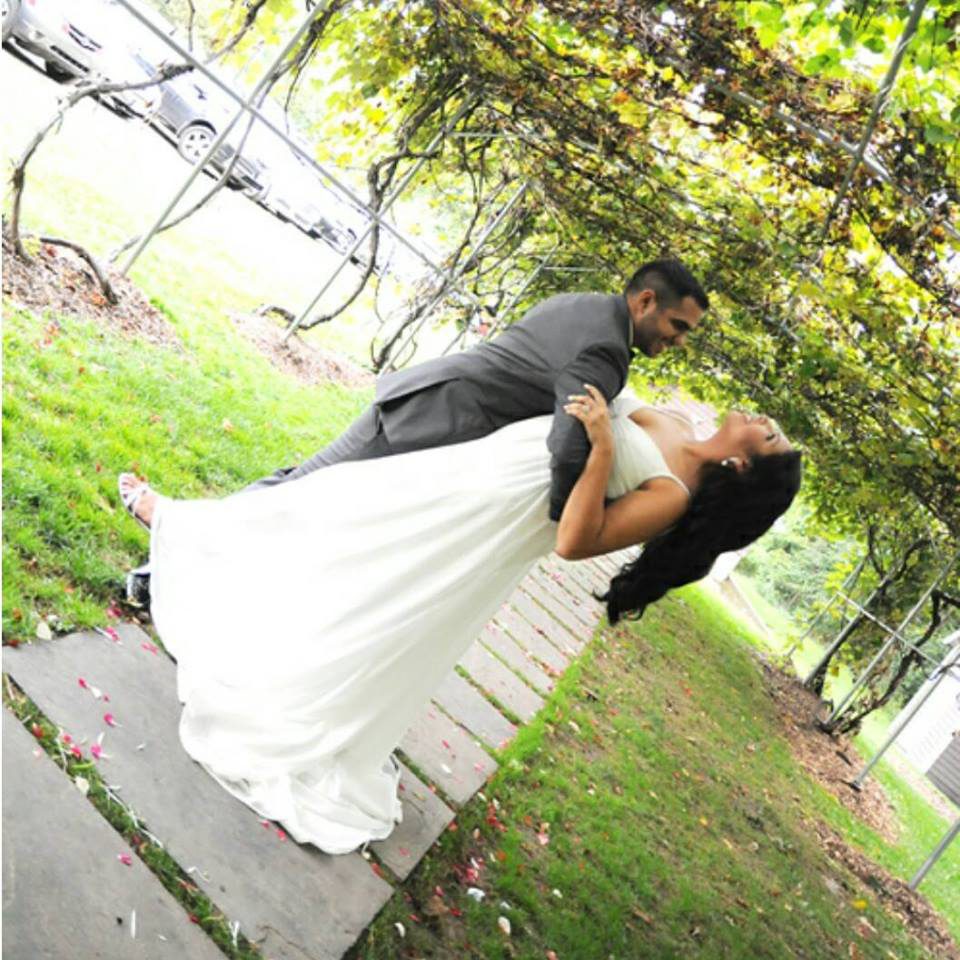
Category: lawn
<point>654,809</point>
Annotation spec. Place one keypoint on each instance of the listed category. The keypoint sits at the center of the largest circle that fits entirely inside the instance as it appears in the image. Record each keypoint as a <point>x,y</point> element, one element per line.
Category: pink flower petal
<point>125,859</point>
<point>114,611</point>
<point>96,751</point>
<point>66,738</point>
<point>150,647</point>
<point>82,682</point>
<point>110,720</point>
<point>447,745</point>
<point>77,752</point>
<point>280,834</point>
<point>112,634</point>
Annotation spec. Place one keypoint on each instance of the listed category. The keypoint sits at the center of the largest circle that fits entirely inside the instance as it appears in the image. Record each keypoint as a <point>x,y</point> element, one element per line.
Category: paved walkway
<point>65,879</point>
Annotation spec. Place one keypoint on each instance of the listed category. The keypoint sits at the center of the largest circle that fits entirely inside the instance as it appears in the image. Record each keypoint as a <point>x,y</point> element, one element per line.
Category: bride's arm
<point>587,527</point>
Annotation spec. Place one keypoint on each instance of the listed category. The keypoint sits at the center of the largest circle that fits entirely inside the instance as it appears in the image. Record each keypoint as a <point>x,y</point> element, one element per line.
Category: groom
<point>528,370</point>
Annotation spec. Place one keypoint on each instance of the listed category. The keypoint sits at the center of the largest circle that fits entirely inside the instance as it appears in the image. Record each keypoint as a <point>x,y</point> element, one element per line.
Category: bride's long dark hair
<point>728,511</point>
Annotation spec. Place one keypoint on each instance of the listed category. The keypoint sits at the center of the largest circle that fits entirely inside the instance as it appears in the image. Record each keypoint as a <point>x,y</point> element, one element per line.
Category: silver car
<point>66,37</point>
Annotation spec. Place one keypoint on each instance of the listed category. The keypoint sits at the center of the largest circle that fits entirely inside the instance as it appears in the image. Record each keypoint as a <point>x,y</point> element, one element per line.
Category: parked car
<point>191,112</point>
<point>66,37</point>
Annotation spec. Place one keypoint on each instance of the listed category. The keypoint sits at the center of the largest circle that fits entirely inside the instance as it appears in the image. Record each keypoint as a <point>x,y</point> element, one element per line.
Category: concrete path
<point>50,830</point>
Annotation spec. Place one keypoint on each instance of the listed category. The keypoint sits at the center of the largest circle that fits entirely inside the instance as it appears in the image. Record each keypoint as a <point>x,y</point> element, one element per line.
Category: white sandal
<point>131,497</point>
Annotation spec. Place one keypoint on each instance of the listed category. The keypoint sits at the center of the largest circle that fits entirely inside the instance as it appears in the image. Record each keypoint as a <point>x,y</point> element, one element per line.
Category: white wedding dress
<point>311,621</point>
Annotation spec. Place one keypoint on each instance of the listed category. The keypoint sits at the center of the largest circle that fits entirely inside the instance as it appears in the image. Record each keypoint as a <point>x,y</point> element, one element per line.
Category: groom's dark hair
<point>670,280</point>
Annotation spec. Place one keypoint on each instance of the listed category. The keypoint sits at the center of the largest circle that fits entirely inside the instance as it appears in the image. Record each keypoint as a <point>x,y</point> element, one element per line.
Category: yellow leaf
<point>860,904</point>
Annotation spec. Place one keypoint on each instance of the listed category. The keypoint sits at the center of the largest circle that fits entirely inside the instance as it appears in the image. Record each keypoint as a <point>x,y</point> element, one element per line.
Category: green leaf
<point>934,133</point>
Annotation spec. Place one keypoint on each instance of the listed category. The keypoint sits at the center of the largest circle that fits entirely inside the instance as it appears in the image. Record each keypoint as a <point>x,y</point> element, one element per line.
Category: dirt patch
<point>833,762</point>
<point>296,357</point>
<point>905,904</point>
<point>60,281</point>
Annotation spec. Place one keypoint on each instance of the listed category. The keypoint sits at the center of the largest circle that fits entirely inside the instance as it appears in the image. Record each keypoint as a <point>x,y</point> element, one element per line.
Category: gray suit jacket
<point>528,370</point>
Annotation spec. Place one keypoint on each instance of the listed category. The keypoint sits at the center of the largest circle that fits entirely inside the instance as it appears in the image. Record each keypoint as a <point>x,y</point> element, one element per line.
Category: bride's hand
<point>591,410</point>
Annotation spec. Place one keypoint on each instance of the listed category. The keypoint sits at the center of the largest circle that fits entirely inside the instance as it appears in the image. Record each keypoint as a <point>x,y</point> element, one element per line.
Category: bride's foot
<point>137,498</point>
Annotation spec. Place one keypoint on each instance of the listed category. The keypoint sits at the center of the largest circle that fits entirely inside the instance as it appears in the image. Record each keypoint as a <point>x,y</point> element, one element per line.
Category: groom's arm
<point>603,366</point>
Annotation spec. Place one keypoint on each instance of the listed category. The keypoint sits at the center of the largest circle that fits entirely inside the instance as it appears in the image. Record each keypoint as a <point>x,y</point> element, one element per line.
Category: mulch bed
<point>897,898</point>
<point>833,762</point>
<point>60,281</point>
<point>298,358</point>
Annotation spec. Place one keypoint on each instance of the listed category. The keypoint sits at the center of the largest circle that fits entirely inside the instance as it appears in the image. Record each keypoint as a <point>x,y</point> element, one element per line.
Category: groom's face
<point>656,328</point>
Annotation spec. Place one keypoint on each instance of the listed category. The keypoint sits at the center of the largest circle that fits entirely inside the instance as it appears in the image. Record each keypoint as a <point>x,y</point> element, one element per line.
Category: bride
<point>312,621</point>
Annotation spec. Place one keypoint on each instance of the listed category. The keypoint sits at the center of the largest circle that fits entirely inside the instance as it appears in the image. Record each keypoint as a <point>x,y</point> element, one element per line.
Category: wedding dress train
<point>311,621</point>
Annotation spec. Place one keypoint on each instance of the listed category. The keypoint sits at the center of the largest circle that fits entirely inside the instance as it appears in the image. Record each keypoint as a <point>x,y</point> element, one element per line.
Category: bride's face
<point>752,435</point>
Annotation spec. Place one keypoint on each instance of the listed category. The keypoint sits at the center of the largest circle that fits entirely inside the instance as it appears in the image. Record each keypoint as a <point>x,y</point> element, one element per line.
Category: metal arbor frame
<point>450,278</point>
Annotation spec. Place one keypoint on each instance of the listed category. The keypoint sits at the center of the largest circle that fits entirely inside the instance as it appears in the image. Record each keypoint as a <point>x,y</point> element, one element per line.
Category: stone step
<point>556,583</point>
<point>495,640</point>
<point>501,682</point>
<point>471,709</point>
<point>559,634</point>
<point>445,754</point>
<point>425,817</point>
<point>65,892</point>
<point>533,641</point>
<point>198,822</point>
<point>559,606</point>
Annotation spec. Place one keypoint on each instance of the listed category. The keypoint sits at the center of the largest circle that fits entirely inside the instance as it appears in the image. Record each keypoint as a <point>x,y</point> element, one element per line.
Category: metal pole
<point>862,679</point>
<point>884,92</point>
<point>933,682</point>
<point>858,154</point>
<point>494,327</point>
<point>845,632</point>
<point>890,631</point>
<point>455,276</point>
<point>297,148</point>
<point>935,856</point>
<point>395,193</point>
<point>215,146</point>
<point>526,283</point>
<point>850,580</point>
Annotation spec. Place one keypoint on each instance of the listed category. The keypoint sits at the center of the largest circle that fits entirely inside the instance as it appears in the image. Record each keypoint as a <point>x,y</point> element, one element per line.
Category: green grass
<point>82,404</point>
<point>692,842</point>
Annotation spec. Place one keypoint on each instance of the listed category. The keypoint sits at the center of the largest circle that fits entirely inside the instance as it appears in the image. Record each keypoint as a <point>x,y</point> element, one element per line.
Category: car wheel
<point>194,141</point>
<point>11,10</point>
